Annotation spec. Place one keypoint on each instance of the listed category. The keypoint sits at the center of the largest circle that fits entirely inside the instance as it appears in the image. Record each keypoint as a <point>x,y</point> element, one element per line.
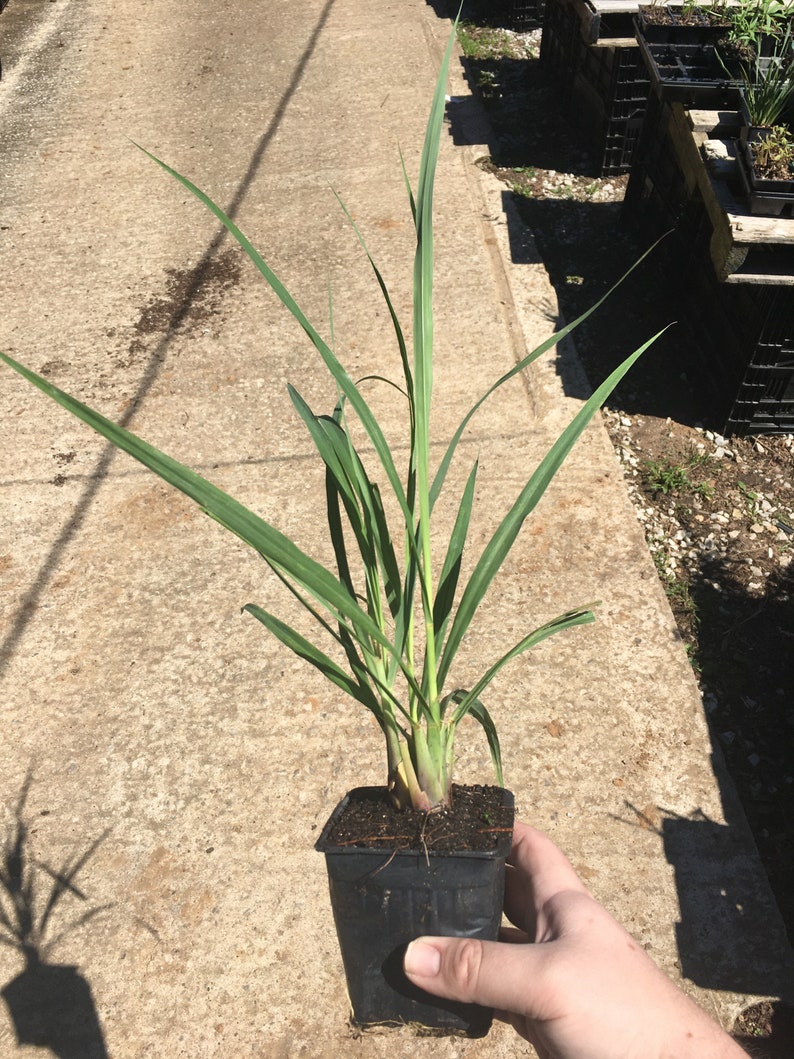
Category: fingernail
<point>422,960</point>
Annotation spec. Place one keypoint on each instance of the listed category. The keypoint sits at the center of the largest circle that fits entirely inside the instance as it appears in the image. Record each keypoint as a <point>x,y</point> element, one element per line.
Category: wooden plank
<point>748,228</point>
<point>615,42</point>
<point>760,279</point>
<point>738,237</point>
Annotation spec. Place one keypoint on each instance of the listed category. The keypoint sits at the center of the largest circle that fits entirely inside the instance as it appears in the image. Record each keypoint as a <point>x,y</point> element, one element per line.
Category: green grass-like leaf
<point>392,623</point>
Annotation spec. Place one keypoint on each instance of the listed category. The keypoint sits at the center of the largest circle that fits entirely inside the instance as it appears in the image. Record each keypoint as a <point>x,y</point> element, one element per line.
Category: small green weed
<point>489,42</point>
<point>682,603</point>
<point>666,477</point>
<point>750,500</point>
<point>662,476</point>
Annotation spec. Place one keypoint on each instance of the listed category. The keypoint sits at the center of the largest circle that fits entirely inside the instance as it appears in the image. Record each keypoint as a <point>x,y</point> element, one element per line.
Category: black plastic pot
<point>383,899</point>
<point>765,197</point>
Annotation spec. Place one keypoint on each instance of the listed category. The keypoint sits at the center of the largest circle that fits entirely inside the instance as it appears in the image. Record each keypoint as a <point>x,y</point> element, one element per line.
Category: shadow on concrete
<point>530,124</point>
<point>745,657</point>
<point>50,1005</point>
<point>190,287</point>
<point>514,111</point>
<point>723,923</point>
<point>585,251</point>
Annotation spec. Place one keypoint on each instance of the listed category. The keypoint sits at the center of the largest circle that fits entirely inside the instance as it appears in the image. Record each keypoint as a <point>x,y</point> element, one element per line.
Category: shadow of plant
<point>51,1005</point>
<point>722,930</point>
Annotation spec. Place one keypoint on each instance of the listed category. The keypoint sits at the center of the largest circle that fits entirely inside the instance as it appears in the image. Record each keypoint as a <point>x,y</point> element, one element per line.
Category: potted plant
<point>766,153</point>
<point>767,85</point>
<point>756,28</point>
<point>390,619</point>
<point>767,167</point>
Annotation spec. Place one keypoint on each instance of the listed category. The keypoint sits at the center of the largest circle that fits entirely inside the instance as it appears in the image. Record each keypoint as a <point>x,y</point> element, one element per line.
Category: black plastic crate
<point>559,54</point>
<point>770,354</point>
<point>767,383</point>
<point>759,419</point>
<point>523,15</point>
<point>777,306</point>
<point>746,331</point>
<point>608,100</point>
<point>765,402</point>
<point>620,146</point>
<point>628,109</point>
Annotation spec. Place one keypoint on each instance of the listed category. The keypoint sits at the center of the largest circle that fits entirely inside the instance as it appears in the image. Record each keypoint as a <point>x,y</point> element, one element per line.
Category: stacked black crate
<point>596,64</point>
<point>525,15</point>
<point>744,320</point>
<point>610,94</point>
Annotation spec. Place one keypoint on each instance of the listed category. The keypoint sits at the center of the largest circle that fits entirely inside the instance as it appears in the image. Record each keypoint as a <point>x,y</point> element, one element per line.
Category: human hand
<point>585,990</point>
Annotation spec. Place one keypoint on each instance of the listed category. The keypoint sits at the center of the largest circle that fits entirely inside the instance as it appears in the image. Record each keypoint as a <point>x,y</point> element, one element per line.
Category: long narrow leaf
<point>398,331</point>
<point>360,495</point>
<point>230,513</point>
<point>582,616</point>
<point>302,647</point>
<point>498,547</point>
<point>450,573</point>
<point>341,377</point>
<point>423,363</point>
<point>544,346</point>
<point>478,711</point>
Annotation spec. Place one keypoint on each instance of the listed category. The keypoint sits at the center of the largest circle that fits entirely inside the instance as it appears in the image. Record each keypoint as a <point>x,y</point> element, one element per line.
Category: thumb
<point>491,973</point>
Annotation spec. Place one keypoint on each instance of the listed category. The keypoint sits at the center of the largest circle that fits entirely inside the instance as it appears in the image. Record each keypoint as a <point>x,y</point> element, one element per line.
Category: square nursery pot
<point>382,899</point>
<point>765,198</point>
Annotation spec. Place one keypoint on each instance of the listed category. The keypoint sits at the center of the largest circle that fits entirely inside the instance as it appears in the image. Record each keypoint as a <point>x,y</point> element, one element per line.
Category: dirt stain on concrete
<point>191,298</point>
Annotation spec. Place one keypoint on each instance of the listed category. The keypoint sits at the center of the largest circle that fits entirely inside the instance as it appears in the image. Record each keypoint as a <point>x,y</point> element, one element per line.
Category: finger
<point>537,871</point>
<point>543,864</point>
<point>480,972</point>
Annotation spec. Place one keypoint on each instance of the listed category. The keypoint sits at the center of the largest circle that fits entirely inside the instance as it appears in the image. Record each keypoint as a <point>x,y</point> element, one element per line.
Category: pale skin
<point>585,990</point>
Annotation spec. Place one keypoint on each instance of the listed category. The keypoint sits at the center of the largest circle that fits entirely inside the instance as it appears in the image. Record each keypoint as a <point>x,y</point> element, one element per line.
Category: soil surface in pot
<point>474,822</point>
<point>771,168</point>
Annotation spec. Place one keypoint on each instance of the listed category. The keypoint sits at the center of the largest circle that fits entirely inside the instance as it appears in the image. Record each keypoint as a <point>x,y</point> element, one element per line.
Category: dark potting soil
<point>474,821</point>
<point>659,15</point>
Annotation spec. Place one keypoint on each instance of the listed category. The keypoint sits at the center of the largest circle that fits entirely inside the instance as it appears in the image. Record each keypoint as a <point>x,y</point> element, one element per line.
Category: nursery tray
<point>676,32</point>
<point>690,74</point>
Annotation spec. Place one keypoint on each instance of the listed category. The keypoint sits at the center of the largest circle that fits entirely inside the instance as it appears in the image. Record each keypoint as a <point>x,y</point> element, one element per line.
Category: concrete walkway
<point>155,717</point>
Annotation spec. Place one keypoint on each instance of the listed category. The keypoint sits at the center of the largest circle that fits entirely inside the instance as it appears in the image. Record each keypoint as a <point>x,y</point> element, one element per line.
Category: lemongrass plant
<point>397,632</point>
<point>768,84</point>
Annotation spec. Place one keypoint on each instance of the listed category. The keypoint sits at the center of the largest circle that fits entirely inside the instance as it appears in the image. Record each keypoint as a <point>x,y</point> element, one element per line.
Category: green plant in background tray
<point>768,84</point>
<point>752,20</point>
<point>392,616</point>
